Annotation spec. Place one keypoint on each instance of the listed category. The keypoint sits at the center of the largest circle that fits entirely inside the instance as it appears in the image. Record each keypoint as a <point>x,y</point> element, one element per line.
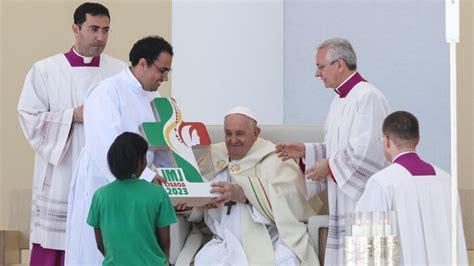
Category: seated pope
<point>259,217</point>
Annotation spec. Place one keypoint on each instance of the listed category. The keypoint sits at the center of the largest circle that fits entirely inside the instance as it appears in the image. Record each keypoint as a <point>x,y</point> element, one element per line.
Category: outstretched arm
<point>290,150</point>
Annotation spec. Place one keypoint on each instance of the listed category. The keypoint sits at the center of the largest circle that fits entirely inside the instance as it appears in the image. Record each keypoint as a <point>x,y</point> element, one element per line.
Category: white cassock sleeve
<point>363,156</point>
<point>102,113</point>
<point>46,130</point>
<point>313,153</point>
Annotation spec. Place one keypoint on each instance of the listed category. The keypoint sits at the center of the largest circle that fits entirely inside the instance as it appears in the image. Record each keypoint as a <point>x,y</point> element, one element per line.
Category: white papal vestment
<point>270,229</point>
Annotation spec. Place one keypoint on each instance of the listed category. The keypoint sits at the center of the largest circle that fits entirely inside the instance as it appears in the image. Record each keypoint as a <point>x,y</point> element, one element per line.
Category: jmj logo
<point>171,133</point>
<point>172,174</point>
<point>175,185</point>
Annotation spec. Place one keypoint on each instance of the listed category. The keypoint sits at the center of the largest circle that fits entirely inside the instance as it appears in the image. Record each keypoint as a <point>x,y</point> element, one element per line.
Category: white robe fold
<point>51,91</point>
<point>423,206</point>
<point>352,146</point>
<point>277,203</point>
<point>113,106</point>
<point>226,247</point>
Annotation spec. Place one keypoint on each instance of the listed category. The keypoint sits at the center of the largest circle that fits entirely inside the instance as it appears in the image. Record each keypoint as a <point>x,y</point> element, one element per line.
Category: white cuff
<point>148,174</point>
<point>309,156</point>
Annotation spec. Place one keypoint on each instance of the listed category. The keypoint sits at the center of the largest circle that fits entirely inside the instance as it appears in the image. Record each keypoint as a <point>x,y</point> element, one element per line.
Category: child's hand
<point>158,179</point>
<point>181,207</point>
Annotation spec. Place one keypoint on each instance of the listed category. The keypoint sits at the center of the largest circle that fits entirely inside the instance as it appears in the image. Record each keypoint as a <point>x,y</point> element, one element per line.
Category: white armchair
<point>184,235</point>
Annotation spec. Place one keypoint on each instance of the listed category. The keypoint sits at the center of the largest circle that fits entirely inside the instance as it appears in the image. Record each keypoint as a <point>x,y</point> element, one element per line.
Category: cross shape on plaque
<point>229,205</point>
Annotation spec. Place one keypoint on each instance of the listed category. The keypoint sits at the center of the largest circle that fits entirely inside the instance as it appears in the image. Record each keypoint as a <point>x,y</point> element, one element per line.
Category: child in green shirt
<point>131,216</point>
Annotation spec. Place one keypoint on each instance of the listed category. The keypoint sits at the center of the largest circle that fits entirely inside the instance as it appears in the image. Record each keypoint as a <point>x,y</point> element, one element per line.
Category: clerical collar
<point>348,84</point>
<point>137,86</point>
<point>413,163</point>
<point>77,60</point>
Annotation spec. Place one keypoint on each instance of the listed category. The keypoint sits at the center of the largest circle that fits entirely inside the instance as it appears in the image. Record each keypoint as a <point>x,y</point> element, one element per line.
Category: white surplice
<point>52,89</point>
<point>226,246</point>
<point>423,205</point>
<point>111,107</point>
<point>352,146</point>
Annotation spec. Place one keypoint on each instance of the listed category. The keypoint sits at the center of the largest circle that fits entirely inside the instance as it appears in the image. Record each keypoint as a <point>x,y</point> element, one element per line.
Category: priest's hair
<point>149,48</point>
<point>340,48</point>
<point>125,153</point>
<point>402,127</point>
<point>93,9</point>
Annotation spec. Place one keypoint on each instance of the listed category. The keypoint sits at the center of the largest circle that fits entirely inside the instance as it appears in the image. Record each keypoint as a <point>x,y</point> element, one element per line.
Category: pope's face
<point>240,134</point>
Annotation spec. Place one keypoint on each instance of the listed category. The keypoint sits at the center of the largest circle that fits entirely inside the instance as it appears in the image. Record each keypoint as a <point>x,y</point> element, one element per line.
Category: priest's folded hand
<point>77,115</point>
<point>290,150</point>
<point>318,171</point>
<point>228,191</point>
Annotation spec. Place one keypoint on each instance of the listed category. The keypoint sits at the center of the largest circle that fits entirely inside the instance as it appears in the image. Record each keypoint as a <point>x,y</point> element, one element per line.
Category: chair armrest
<point>314,224</point>
<point>190,248</point>
<point>178,233</point>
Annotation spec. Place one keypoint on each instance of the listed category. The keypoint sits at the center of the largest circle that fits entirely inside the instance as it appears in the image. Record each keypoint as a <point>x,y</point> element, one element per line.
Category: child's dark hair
<point>125,153</point>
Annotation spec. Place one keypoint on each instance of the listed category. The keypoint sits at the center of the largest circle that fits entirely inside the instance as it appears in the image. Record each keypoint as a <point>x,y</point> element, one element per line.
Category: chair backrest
<point>278,134</point>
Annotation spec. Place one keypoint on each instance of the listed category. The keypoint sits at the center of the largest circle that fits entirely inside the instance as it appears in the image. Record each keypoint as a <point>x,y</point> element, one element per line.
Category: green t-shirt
<point>128,212</point>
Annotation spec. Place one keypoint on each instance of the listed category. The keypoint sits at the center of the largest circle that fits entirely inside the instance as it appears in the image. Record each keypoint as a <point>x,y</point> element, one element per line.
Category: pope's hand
<point>290,150</point>
<point>228,191</point>
<point>210,205</point>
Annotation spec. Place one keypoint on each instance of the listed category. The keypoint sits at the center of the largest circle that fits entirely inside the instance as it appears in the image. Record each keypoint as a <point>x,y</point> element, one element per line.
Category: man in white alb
<point>419,192</point>
<point>50,113</point>
<point>351,152</point>
<point>113,106</point>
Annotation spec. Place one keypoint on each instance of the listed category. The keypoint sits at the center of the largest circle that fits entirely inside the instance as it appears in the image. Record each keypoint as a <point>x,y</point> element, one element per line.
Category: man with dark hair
<point>350,153</point>
<point>93,9</point>
<point>115,105</point>
<point>419,192</point>
<point>50,113</point>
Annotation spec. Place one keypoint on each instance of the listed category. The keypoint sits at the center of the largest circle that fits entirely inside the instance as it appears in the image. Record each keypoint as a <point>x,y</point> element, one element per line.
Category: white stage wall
<point>228,53</point>
<point>261,54</point>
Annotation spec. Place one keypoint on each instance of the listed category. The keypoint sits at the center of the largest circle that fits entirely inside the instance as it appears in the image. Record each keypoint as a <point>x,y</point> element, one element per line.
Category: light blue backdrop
<point>401,49</point>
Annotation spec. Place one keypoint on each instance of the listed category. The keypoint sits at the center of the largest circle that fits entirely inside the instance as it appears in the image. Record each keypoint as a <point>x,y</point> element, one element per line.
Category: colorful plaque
<point>173,139</point>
